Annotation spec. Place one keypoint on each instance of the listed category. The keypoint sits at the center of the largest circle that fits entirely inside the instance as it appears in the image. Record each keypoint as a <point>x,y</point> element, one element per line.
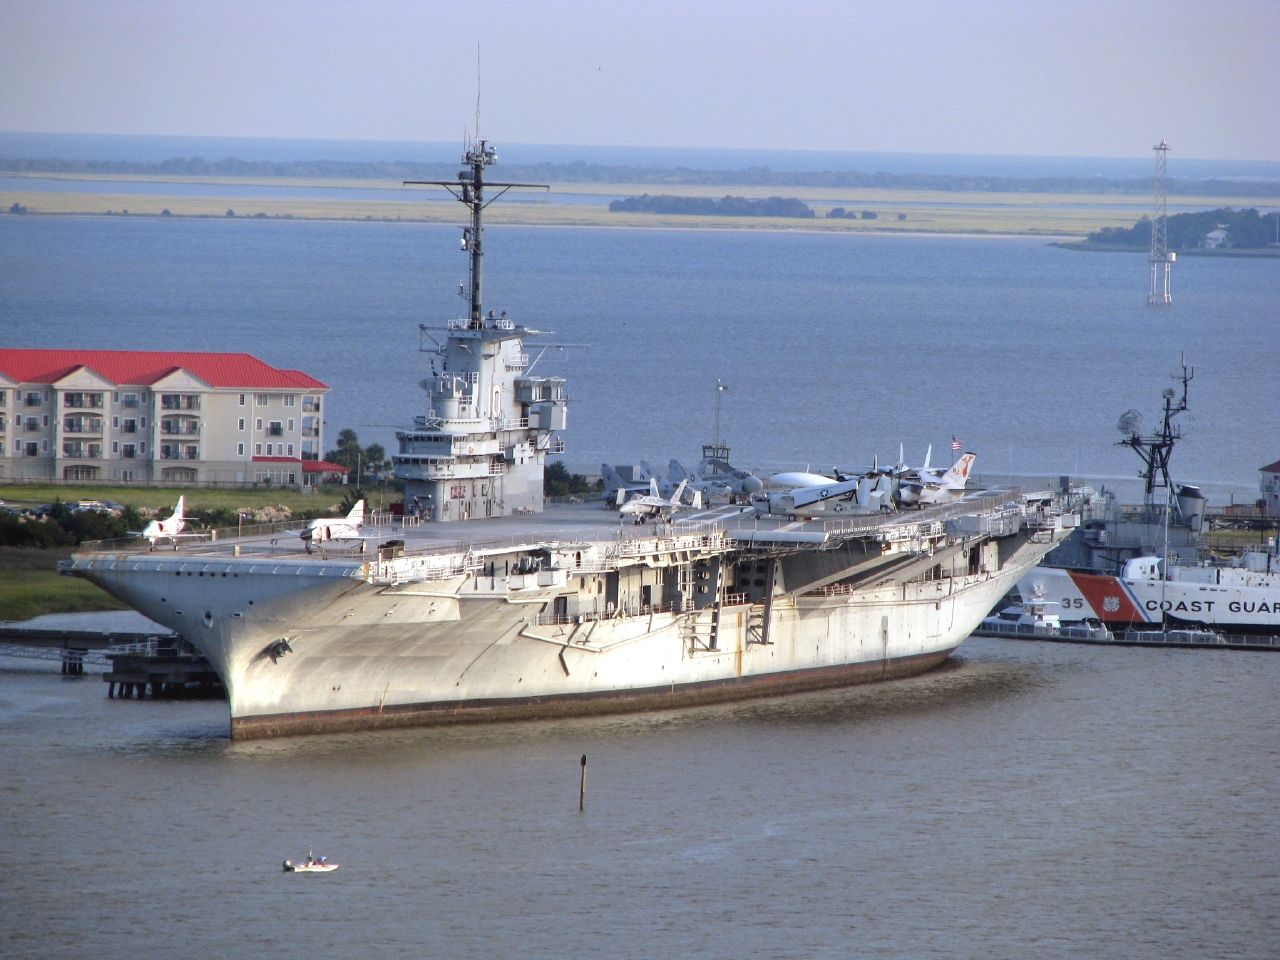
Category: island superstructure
<point>481,447</point>
<point>564,610</point>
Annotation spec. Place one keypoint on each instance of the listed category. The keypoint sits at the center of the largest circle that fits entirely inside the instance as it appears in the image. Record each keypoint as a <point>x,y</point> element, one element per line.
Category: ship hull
<point>1120,602</point>
<point>313,648</point>
<point>552,706</point>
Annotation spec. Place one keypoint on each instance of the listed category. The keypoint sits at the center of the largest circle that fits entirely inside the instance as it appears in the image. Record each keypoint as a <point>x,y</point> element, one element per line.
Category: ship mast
<point>468,189</point>
<point>1156,449</point>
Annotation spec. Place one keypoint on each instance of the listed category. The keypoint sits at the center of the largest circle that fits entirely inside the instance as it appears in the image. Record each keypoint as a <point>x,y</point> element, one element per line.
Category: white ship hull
<point>1248,605</point>
<point>308,645</point>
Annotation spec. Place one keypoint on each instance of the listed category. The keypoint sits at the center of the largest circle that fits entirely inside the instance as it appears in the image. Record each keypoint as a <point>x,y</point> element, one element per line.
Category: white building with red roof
<point>152,416</point>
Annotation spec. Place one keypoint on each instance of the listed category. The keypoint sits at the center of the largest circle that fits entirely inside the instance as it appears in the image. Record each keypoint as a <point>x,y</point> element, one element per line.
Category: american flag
<point>955,443</point>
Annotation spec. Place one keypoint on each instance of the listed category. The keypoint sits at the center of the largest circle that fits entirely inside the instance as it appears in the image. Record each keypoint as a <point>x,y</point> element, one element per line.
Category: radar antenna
<point>469,190</point>
<point>1156,449</point>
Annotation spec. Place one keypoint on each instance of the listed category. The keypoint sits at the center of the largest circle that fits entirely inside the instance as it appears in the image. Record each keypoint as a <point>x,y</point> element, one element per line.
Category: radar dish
<point>1130,423</point>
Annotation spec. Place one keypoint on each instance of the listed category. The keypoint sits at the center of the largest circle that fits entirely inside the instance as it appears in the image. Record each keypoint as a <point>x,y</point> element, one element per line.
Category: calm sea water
<point>1027,800</point>
<point>835,348</point>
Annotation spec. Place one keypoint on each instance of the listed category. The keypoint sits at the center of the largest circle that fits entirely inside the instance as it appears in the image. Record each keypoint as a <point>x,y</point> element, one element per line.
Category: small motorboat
<point>312,864</point>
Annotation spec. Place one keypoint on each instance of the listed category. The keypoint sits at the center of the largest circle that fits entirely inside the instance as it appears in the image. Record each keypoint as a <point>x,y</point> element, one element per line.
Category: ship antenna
<point>477,89</point>
<point>469,190</point>
<point>1156,449</point>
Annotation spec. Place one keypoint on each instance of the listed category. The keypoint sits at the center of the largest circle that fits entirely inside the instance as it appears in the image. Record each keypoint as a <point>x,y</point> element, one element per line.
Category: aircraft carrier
<point>481,603</point>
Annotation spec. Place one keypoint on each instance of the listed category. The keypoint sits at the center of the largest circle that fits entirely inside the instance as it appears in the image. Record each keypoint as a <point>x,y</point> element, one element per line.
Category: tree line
<point>712,207</point>
<point>1246,230</point>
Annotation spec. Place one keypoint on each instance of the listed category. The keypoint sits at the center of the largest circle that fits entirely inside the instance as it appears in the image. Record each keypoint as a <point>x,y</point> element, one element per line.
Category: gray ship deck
<point>562,523</point>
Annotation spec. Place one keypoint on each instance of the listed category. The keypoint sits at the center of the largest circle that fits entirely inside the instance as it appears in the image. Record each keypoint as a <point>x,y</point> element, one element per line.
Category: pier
<point>135,662</point>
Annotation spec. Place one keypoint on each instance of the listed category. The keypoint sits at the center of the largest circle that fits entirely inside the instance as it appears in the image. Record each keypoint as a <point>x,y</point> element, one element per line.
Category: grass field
<point>30,585</point>
<point>946,212</point>
<point>29,581</point>
<point>163,498</point>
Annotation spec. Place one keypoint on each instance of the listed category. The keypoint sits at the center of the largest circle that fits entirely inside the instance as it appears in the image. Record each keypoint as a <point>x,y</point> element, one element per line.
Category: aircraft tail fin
<point>675,497</point>
<point>958,475</point>
<point>178,511</point>
<point>697,499</point>
<point>357,513</point>
<point>612,482</point>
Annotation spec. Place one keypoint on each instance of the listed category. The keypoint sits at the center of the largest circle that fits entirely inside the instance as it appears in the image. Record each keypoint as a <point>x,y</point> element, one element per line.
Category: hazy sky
<point>1070,77</point>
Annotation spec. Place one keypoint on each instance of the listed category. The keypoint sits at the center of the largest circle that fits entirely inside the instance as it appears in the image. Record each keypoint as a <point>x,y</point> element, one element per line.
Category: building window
<point>44,421</point>
<point>311,404</point>
<point>240,423</point>
<point>130,400</point>
<point>128,476</point>
<point>4,398</point>
<point>261,399</point>
<point>179,401</point>
<point>275,429</point>
<point>129,451</point>
<point>239,449</point>
<point>290,400</point>
<point>270,451</point>
<point>291,449</point>
<point>257,449</point>
<point>115,446</point>
<point>257,424</point>
<point>31,449</point>
<point>144,423</point>
<point>81,400</point>
<point>291,424</point>
<point>115,423</point>
<point>242,399</point>
<point>142,447</point>
<point>32,399</point>
<point>129,425</point>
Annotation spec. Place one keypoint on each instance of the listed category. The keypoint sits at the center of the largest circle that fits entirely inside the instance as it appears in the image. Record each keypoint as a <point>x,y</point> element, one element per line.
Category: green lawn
<point>163,498</point>
<point>30,585</point>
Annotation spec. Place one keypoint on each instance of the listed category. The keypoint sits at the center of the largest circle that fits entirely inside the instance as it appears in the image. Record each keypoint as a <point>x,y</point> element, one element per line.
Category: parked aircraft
<point>327,530</point>
<point>930,485</point>
<point>800,478</point>
<point>654,504</point>
<point>169,528</point>
<point>613,482</point>
<point>715,468</point>
<point>850,495</point>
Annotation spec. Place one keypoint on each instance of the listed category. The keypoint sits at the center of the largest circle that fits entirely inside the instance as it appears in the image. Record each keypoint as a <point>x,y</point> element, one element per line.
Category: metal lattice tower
<point>1161,293</point>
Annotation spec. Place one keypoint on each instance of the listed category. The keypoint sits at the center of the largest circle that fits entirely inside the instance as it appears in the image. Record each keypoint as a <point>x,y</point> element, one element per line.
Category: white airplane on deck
<point>342,529</point>
<point>843,497</point>
<point>654,504</point>
<point>613,482</point>
<point>170,528</point>
<point>931,485</point>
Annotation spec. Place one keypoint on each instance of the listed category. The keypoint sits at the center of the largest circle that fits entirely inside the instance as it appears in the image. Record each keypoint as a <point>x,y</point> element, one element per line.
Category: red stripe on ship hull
<point>1108,598</point>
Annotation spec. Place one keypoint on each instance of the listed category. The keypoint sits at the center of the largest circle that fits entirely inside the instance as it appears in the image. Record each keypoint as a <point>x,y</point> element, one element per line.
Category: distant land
<point>1223,231</point>
<point>437,156</point>
<point>85,175</point>
<point>582,172</point>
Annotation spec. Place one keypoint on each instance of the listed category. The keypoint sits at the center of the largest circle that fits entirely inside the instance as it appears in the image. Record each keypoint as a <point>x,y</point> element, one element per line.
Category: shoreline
<point>1054,238</point>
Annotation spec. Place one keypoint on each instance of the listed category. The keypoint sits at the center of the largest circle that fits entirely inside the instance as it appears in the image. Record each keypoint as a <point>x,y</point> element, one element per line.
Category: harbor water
<point>835,348</point>
<point>1026,800</point>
